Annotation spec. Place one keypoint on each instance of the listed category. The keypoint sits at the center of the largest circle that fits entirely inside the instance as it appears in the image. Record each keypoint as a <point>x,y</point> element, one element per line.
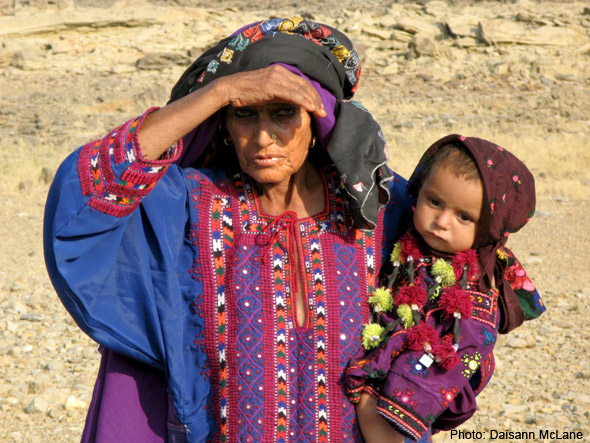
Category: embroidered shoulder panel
<point>113,172</point>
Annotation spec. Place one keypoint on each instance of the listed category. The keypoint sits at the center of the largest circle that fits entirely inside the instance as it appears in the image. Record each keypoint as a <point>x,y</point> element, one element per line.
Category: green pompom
<point>396,254</point>
<point>445,272</point>
<point>372,335</point>
<point>381,300</point>
<point>404,312</point>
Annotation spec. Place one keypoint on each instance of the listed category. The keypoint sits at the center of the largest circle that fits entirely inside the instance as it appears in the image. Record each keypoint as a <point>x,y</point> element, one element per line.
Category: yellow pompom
<point>381,300</point>
<point>444,271</point>
<point>371,336</point>
<point>396,254</point>
<point>404,312</point>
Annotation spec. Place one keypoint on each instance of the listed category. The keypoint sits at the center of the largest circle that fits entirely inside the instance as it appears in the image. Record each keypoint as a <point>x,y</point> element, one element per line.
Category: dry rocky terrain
<point>517,73</point>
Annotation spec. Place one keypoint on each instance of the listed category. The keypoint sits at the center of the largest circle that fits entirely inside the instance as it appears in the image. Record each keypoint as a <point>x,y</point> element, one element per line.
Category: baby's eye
<point>465,218</point>
<point>434,202</point>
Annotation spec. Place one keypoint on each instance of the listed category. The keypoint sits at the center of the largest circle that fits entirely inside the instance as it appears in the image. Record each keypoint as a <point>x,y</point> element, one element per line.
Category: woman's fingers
<point>273,83</point>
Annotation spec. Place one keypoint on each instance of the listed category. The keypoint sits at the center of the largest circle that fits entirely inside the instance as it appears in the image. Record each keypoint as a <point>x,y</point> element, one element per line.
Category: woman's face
<point>271,140</point>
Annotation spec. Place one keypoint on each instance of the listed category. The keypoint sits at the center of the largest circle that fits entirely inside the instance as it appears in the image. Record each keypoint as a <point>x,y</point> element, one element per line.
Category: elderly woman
<point>230,240</point>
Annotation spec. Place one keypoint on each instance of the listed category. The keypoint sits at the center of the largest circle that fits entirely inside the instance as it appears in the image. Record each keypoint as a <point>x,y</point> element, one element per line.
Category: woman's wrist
<point>166,126</point>
<point>219,90</point>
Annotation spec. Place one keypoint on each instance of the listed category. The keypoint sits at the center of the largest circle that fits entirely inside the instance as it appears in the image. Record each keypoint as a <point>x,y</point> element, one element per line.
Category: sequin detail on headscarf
<point>229,50</point>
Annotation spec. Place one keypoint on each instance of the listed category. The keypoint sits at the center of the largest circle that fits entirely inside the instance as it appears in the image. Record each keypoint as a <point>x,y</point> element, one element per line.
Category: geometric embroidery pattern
<point>118,190</point>
<point>471,363</point>
<point>251,393</point>
<point>300,367</point>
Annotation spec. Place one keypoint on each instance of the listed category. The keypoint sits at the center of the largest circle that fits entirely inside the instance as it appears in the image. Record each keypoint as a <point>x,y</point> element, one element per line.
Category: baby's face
<point>448,210</point>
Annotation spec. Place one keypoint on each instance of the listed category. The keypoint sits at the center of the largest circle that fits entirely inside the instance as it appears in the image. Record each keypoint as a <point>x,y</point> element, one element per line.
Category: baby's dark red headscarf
<point>509,203</point>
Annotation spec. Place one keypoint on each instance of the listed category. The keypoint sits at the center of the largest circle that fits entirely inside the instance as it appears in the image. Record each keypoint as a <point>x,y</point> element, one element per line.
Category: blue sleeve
<point>398,213</point>
<point>110,269</point>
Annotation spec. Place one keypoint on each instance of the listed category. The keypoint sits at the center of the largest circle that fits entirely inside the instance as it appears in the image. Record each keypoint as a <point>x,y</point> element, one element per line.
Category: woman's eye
<point>285,112</point>
<point>243,112</point>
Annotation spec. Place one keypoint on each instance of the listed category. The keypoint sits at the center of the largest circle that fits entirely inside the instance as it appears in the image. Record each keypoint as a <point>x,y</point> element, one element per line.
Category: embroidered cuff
<point>114,173</point>
<point>399,411</point>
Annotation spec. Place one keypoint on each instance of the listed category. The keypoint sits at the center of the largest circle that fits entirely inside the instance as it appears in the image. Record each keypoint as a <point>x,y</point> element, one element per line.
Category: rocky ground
<point>517,73</point>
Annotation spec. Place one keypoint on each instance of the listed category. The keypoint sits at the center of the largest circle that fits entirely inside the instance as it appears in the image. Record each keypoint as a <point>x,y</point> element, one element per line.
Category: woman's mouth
<point>266,160</point>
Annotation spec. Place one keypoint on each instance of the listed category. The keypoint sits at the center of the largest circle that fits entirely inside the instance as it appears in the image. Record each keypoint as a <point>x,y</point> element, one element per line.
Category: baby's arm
<point>374,428</point>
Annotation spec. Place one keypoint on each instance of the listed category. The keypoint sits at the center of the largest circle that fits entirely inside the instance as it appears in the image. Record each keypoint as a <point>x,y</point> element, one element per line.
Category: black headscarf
<point>349,135</point>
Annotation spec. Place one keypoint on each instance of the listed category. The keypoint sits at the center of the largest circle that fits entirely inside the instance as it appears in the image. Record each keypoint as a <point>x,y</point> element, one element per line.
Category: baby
<point>450,288</point>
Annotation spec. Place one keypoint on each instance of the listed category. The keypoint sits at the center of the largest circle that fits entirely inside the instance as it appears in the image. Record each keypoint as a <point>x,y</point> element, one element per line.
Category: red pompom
<point>410,248</point>
<point>455,299</point>
<point>419,335</point>
<point>411,295</point>
<point>445,355</point>
<point>468,258</point>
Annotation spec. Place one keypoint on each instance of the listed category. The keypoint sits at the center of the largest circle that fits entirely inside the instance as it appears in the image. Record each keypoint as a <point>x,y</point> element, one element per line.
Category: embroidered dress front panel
<point>354,313</point>
<point>276,381</point>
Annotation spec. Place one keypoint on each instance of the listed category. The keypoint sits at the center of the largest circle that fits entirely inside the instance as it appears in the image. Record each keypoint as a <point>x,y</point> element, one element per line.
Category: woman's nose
<point>265,135</point>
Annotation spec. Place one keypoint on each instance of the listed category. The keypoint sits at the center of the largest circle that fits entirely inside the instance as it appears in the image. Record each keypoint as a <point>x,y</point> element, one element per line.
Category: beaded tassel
<point>463,282</point>
<point>456,330</point>
<point>410,261</point>
<point>393,276</point>
<point>456,325</point>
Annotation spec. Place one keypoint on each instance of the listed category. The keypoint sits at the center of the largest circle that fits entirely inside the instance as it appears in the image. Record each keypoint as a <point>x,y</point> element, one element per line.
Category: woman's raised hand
<point>274,83</point>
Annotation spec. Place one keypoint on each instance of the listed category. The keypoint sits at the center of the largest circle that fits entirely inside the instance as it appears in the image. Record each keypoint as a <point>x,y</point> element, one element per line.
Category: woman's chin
<point>269,175</point>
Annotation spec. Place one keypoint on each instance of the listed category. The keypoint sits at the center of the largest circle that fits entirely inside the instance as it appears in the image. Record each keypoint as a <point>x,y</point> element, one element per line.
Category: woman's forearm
<point>164,127</point>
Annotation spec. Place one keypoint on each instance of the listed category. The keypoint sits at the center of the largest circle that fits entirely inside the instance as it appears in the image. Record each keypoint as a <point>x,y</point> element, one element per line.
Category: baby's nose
<point>443,220</point>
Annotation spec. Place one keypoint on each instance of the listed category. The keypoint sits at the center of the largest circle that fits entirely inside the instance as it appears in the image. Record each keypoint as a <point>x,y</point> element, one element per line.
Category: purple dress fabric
<point>127,297</point>
<point>131,395</point>
<point>127,395</point>
<point>415,395</point>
